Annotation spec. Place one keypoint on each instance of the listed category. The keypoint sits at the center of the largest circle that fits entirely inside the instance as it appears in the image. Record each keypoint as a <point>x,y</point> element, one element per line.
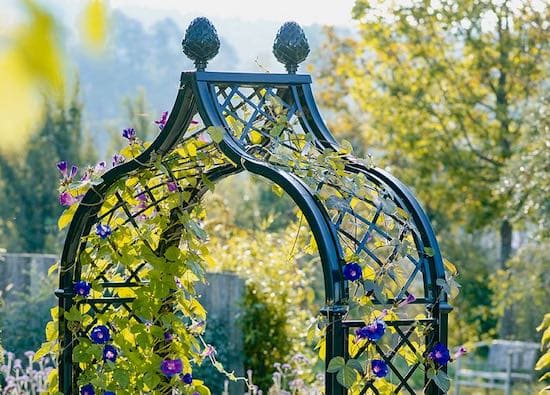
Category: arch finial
<point>290,46</point>
<point>201,42</point>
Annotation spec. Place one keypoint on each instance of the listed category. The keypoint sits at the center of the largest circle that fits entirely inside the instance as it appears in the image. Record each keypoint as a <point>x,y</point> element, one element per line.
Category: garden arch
<point>269,125</point>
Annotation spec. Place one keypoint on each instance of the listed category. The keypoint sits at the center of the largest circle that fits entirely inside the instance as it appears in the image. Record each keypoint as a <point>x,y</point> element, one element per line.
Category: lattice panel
<point>398,349</point>
<point>371,222</point>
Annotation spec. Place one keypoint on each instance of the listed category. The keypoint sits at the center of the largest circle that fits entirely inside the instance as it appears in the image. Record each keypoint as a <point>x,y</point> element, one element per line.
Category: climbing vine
<point>137,323</point>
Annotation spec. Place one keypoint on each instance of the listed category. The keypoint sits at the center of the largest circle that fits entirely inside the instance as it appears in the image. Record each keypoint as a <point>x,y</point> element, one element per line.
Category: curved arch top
<point>266,120</point>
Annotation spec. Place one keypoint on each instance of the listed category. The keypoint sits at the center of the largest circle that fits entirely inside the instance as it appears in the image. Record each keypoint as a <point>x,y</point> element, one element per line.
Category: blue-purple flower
<point>172,186</point>
<point>379,368</point>
<point>440,354</point>
<point>171,367</point>
<point>130,134</point>
<point>118,159</point>
<point>88,389</point>
<point>67,200</point>
<point>410,299</point>
<point>110,353</point>
<point>168,336</point>
<point>103,231</point>
<point>187,378</point>
<point>82,288</point>
<point>100,334</point>
<point>373,331</point>
<point>162,121</point>
<point>68,176</point>
<point>460,352</point>
<point>352,272</point>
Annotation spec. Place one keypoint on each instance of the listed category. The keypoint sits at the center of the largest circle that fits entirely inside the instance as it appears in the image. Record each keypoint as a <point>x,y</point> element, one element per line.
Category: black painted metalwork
<point>201,42</point>
<point>291,47</point>
<point>247,107</point>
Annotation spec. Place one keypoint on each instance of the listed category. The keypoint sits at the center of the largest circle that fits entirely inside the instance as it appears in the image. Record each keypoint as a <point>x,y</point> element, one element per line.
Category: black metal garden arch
<point>238,104</point>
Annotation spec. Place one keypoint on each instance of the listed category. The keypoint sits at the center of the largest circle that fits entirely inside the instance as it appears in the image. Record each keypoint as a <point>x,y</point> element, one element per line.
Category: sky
<point>306,12</point>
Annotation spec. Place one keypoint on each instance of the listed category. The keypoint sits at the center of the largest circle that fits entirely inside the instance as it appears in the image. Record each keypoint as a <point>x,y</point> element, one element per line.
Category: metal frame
<point>215,96</point>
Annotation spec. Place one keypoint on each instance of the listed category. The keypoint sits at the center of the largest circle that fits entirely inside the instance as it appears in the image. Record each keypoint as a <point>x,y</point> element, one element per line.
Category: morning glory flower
<point>352,272</point>
<point>373,331</point>
<point>379,368</point>
<point>410,299</point>
<point>130,134</point>
<point>118,159</point>
<point>440,354</point>
<point>171,367</point>
<point>162,121</point>
<point>82,288</point>
<point>67,200</point>
<point>88,389</point>
<point>187,378</point>
<point>460,352</point>
<point>103,231</point>
<point>110,353</point>
<point>62,167</point>
<point>172,186</point>
<point>100,334</point>
<point>100,167</point>
<point>68,176</point>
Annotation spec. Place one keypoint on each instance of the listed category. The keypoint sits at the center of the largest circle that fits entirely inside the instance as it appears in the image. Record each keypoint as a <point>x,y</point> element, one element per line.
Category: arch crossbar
<point>269,124</point>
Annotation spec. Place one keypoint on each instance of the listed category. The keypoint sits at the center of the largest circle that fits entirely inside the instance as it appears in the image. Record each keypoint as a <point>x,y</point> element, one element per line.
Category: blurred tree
<point>444,88</point>
<point>32,65</point>
<point>29,206</point>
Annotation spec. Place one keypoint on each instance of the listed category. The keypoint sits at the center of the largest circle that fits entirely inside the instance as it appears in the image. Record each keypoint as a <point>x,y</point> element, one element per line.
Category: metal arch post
<point>319,223</point>
<point>178,122</point>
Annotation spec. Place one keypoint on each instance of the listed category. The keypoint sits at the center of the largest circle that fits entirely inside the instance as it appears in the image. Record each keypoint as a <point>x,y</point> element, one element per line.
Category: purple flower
<point>460,352</point>
<point>439,354</point>
<point>187,378</point>
<point>88,389</point>
<point>82,288</point>
<point>168,336</point>
<point>162,121</point>
<point>129,134</point>
<point>66,199</point>
<point>100,167</point>
<point>103,231</point>
<point>209,351</point>
<point>100,334</point>
<point>379,368</point>
<point>62,167</point>
<point>118,159</point>
<point>172,186</point>
<point>170,367</point>
<point>110,353</point>
<point>352,272</point>
<point>410,299</point>
<point>373,331</point>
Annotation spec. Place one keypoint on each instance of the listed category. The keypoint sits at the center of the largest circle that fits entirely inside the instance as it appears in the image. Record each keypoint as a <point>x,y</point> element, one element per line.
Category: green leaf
<point>355,364</point>
<point>336,364</point>
<point>121,377</point>
<point>442,381</point>
<point>216,133</point>
<point>172,253</point>
<point>346,376</point>
<point>151,380</point>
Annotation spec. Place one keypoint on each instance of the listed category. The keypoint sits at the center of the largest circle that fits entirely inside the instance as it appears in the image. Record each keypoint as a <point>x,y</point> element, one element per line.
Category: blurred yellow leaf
<point>94,24</point>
